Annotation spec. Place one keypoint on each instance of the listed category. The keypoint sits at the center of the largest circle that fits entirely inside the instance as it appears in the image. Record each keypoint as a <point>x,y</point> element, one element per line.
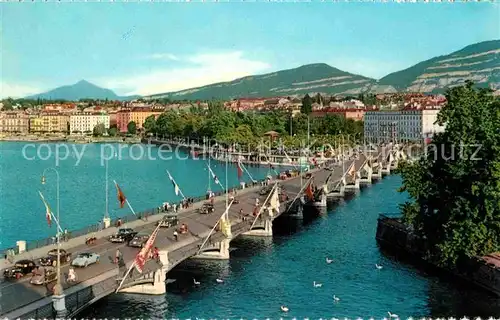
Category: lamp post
<point>58,289</point>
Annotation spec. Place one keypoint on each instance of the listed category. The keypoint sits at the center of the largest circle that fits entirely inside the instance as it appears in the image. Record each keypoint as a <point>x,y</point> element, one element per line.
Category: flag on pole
<point>309,191</point>
<point>176,187</point>
<point>143,255</point>
<point>240,170</point>
<point>214,176</point>
<point>48,212</point>
<point>121,197</point>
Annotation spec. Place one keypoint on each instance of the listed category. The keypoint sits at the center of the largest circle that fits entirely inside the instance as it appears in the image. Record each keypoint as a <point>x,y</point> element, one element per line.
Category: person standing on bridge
<point>176,235</point>
<point>118,256</point>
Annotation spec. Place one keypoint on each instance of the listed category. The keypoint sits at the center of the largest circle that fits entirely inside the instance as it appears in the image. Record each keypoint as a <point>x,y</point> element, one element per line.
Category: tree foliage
<point>99,130</point>
<point>306,107</point>
<point>454,190</point>
<point>132,127</point>
<point>245,127</point>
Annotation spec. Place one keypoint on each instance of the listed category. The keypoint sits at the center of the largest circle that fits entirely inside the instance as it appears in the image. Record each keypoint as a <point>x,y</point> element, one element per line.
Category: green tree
<point>132,127</point>
<point>454,191</point>
<point>113,131</point>
<point>150,124</point>
<point>99,130</point>
<point>306,107</point>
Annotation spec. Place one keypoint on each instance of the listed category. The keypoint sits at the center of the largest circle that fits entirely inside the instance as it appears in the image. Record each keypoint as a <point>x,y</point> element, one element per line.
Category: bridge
<point>21,300</point>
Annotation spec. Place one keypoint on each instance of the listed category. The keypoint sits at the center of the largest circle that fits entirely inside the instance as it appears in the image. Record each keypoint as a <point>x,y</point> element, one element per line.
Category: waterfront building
<point>49,122</point>
<point>137,115</point>
<point>354,114</point>
<point>85,122</point>
<point>405,125</point>
<point>14,121</point>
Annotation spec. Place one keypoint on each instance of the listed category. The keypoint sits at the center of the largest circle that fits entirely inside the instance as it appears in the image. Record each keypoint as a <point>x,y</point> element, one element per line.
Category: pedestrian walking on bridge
<point>176,235</point>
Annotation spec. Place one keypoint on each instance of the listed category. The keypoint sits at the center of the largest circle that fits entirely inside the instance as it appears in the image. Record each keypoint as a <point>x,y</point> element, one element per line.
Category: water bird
<point>336,298</point>
<point>328,260</point>
<point>392,315</point>
<point>316,284</point>
<point>378,266</point>
<point>284,309</point>
<point>196,282</point>
<point>219,280</point>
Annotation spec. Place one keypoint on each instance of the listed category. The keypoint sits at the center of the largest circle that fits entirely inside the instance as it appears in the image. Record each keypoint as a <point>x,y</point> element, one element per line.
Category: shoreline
<point>90,140</point>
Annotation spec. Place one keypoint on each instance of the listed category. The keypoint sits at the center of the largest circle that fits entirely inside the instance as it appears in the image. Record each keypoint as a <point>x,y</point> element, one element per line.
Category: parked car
<point>170,220</point>
<point>20,269</point>
<point>123,235</point>
<point>85,259</point>
<point>139,240</point>
<point>51,258</point>
<point>43,275</point>
<point>207,208</point>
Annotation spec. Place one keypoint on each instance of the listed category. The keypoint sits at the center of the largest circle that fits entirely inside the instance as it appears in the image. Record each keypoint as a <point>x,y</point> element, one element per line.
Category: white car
<point>85,259</point>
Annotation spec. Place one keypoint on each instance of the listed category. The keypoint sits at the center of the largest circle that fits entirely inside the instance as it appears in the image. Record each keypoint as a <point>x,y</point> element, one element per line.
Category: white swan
<point>391,315</point>
<point>378,266</point>
<point>284,309</point>
<point>316,284</point>
<point>219,280</point>
<point>336,298</point>
<point>196,282</point>
<point>328,260</point>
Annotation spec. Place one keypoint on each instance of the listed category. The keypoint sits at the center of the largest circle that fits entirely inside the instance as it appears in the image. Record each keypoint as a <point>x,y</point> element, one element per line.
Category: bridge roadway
<point>187,245</point>
<point>16,294</point>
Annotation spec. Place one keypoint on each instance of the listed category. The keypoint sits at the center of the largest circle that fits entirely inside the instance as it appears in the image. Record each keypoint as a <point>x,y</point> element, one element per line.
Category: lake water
<point>262,274</point>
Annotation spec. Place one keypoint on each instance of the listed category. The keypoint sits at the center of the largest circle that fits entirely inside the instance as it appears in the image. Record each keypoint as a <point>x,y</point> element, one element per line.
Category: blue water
<point>82,185</point>
<point>262,274</point>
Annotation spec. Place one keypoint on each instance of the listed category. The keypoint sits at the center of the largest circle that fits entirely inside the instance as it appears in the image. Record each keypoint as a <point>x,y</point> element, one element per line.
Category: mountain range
<point>478,62</point>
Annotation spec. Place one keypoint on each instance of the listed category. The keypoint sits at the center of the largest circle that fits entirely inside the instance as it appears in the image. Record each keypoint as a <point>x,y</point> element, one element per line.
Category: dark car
<point>207,208</point>
<point>264,191</point>
<point>123,235</point>
<point>139,240</point>
<point>170,220</point>
<point>20,269</point>
<point>51,258</point>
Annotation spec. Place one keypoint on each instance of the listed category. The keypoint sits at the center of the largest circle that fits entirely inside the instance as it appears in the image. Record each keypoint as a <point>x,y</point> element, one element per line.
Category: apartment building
<point>49,122</point>
<point>85,122</point>
<point>14,122</point>
<point>405,125</point>
<point>137,115</point>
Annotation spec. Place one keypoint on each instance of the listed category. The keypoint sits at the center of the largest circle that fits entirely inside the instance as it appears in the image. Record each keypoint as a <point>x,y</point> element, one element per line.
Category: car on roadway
<point>139,240</point>
<point>85,259</point>
<point>123,235</point>
<point>43,275</point>
<point>207,208</point>
<point>20,269</point>
<point>168,221</point>
<point>51,258</point>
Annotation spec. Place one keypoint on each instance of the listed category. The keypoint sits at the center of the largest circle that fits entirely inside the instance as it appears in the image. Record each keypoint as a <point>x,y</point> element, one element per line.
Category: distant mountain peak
<point>80,90</point>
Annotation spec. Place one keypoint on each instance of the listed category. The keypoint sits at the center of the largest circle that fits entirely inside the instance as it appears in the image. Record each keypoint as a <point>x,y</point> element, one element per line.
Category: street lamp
<point>58,290</point>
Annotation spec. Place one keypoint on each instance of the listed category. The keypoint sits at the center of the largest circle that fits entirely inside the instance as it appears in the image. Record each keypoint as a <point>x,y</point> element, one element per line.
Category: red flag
<point>309,192</point>
<point>121,196</point>
<point>140,259</point>
<point>240,171</point>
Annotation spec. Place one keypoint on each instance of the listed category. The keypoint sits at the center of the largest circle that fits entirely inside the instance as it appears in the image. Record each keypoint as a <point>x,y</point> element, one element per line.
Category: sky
<point>146,48</point>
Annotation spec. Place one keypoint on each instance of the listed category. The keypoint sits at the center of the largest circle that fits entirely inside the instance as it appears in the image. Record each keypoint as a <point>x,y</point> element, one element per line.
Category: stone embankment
<point>482,271</point>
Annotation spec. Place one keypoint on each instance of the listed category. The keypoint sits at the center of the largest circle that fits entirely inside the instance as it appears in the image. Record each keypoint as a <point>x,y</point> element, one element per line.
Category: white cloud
<point>17,90</point>
<point>163,56</point>
<point>199,70</point>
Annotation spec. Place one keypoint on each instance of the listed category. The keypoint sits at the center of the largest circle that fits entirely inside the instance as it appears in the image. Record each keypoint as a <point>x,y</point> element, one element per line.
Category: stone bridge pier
<point>152,283</point>
<point>218,250</point>
<point>263,227</point>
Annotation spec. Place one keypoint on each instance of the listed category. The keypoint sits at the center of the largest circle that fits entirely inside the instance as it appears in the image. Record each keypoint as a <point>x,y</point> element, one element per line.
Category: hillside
<point>318,77</point>
<point>80,90</point>
<point>478,62</point>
